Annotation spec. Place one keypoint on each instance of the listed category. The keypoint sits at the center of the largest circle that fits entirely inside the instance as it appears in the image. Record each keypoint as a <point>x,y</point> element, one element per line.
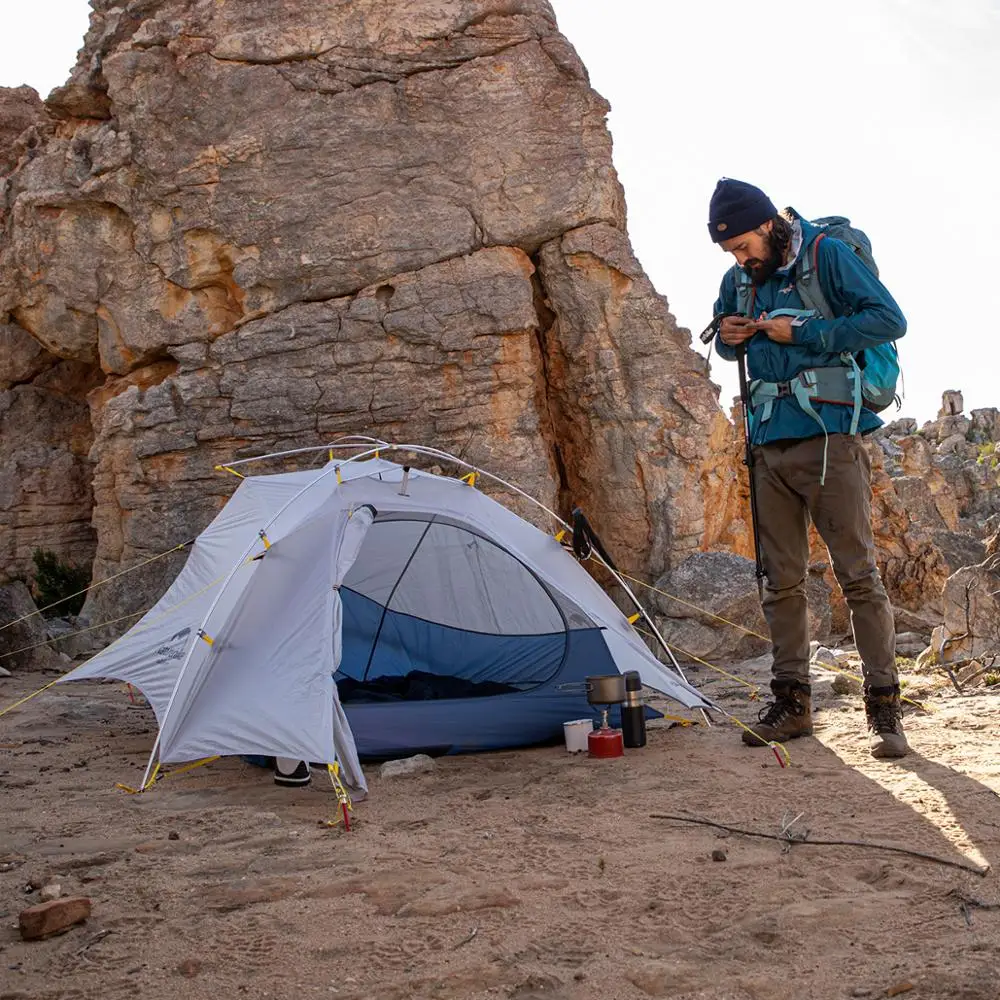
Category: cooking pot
<point>606,689</point>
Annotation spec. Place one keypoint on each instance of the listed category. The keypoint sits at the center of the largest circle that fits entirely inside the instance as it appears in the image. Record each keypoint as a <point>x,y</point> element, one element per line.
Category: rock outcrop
<point>20,110</point>
<point>243,227</point>
<point>711,591</point>
<point>935,507</point>
<point>971,624</point>
<point>23,638</point>
<point>948,475</point>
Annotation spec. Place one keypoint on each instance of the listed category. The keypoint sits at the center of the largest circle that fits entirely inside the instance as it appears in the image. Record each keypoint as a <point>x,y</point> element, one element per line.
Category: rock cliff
<point>935,511</point>
<point>246,227</point>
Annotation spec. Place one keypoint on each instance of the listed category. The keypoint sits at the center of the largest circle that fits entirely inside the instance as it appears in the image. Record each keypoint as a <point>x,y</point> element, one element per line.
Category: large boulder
<point>971,625</point>
<point>717,600</point>
<point>985,425</point>
<point>959,549</point>
<point>263,225</point>
<point>23,642</point>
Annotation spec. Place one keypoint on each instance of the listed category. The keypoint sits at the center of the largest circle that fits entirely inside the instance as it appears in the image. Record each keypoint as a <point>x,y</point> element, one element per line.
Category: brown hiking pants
<point>787,475</point>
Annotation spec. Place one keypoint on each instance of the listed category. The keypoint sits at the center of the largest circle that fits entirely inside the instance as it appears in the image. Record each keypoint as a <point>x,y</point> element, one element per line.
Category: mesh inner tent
<point>433,599</point>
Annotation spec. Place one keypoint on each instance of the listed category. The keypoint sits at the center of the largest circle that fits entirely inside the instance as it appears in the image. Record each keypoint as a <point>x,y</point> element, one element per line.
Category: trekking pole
<point>741,362</point>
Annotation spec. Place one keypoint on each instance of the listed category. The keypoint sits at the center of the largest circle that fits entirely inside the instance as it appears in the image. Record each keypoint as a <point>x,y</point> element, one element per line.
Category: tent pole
<point>359,440</point>
<point>152,757</point>
<point>222,589</point>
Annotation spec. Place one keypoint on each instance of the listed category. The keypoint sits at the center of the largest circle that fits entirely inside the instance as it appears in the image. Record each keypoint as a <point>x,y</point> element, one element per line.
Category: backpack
<point>878,366</point>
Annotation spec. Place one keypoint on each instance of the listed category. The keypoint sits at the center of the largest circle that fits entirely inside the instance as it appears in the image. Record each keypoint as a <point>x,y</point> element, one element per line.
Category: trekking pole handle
<point>708,334</point>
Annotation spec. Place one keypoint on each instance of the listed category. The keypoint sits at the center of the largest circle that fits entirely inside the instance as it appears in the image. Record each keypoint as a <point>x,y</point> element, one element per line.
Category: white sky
<point>887,111</point>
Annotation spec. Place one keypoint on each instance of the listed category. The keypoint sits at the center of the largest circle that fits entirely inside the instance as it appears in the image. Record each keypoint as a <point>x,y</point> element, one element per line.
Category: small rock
<point>719,854</point>
<point>845,685</point>
<point>898,989</point>
<point>267,819</point>
<point>46,919</point>
<point>826,657</point>
<point>5,673</point>
<point>189,968</point>
<point>173,835</point>
<point>938,639</point>
<point>49,892</point>
<point>418,764</point>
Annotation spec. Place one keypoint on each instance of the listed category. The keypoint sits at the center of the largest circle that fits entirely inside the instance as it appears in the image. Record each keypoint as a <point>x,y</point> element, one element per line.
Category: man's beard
<point>760,270</point>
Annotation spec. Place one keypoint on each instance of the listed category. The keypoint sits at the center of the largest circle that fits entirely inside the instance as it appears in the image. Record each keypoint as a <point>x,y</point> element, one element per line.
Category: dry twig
<point>99,936</point>
<point>467,939</point>
<point>977,904</point>
<point>870,845</point>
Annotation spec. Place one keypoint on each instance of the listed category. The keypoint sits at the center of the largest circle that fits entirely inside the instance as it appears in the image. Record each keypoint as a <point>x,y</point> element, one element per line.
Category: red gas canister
<point>605,743</point>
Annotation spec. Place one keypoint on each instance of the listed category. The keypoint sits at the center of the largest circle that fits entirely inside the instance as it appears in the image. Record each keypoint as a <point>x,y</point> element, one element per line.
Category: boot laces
<point>775,713</point>
<point>884,716</point>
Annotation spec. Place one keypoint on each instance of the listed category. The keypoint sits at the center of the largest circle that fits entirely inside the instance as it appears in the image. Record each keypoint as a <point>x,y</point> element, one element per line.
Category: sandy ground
<point>529,874</point>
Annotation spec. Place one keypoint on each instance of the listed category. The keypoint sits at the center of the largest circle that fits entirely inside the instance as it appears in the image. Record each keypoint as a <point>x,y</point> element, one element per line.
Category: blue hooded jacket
<point>866,315</point>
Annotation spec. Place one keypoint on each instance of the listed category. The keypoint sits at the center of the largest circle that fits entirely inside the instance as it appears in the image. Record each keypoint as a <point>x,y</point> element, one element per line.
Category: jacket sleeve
<point>725,303</point>
<point>867,315</point>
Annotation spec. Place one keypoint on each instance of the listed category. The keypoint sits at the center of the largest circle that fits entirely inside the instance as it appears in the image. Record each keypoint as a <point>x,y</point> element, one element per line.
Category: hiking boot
<point>787,717</point>
<point>885,722</point>
<point>291,773</point>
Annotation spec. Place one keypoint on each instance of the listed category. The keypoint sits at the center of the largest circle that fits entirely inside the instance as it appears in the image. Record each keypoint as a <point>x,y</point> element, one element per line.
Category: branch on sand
<point>789,839</point>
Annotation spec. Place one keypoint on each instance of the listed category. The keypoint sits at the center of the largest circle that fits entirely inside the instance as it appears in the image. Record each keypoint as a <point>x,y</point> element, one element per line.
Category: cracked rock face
<point>248,227</point>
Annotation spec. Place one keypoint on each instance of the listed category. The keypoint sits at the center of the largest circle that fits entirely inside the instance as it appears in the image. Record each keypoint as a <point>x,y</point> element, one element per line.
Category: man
<point>806,461</point>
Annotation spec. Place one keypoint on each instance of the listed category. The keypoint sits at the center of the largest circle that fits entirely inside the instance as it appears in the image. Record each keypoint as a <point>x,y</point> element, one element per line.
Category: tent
<point>448,623</point>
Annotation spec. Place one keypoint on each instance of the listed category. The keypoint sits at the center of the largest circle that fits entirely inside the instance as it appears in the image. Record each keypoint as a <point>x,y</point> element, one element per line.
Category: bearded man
<point>807,463</point>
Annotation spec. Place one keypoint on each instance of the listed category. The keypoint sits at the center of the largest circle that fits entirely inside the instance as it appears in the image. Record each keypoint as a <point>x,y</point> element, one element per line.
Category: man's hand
<point>734,330</point>
<point>779,330</point>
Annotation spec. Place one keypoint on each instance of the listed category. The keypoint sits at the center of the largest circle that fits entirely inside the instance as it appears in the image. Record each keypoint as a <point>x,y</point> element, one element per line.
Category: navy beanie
<point>736,208</point>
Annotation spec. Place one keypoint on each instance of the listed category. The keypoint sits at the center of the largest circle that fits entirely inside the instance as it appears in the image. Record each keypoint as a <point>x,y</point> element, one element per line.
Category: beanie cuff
<point>742,221</point>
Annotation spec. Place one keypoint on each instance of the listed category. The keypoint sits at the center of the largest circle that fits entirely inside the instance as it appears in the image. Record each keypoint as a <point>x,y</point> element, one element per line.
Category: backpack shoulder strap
<point>807,281</point>
<point>745,292</point>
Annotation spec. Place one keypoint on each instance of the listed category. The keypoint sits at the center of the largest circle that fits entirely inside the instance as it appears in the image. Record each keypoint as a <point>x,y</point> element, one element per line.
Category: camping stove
<point>606,691</point>
<point>605,742</point>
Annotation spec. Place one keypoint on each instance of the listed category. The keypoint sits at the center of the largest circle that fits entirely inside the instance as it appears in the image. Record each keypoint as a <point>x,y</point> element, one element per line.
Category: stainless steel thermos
<point>633,712</point>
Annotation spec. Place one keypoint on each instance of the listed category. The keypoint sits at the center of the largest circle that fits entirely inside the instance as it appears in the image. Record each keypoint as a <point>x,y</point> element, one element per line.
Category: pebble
<point>719,854</point>
<point>189,968</point>
<point>49,892</point>
<point>5,673</point>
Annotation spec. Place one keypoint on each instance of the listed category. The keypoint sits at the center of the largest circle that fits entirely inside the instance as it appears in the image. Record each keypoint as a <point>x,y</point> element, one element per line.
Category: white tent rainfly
<point>369,609</point>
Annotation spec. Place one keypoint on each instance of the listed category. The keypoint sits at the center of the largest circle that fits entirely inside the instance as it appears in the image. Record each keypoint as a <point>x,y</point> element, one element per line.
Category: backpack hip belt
<point>838,384</point>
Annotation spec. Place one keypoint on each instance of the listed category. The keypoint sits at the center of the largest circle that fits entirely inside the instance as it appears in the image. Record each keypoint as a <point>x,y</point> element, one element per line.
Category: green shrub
<point>55,581</point>
<point>988,455</point>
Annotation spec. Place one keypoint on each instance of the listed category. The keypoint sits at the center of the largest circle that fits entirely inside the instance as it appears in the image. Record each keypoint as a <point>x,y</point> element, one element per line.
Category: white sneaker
<point>291,773</point>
